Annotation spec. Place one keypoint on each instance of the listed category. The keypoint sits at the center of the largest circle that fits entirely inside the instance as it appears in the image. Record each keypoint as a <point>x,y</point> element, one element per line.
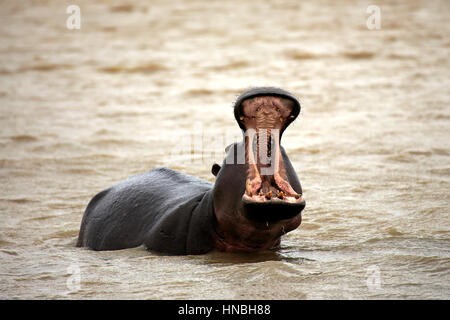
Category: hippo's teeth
<point>281,195</point>
<point>260,193</point>
<point>297,196</point>
<point>268,195</point>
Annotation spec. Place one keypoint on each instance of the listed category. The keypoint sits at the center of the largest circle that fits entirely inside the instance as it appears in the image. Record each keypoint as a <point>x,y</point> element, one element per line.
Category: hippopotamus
<point>256,197</point>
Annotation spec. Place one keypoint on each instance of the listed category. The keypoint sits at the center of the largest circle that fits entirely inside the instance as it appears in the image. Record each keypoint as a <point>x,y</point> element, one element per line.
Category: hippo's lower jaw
<point>272,210</point>
<point>279,203</point>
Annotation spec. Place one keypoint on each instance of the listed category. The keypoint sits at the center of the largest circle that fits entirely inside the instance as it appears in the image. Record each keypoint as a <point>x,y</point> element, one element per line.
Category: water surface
<point>144,84</point>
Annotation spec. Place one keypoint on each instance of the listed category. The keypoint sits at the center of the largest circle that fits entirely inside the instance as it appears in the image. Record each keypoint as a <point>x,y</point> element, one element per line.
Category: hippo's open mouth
<point>264,119</point>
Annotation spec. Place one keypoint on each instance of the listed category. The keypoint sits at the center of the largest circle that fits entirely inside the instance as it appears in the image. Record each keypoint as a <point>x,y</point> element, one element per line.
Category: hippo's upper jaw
<point>267,186</point>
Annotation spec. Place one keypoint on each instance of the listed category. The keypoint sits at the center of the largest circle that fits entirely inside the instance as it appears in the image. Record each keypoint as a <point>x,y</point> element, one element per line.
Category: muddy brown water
<point>144,84</point>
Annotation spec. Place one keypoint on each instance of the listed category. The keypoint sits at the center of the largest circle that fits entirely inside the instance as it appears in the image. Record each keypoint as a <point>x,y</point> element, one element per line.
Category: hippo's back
<point>124,215</point>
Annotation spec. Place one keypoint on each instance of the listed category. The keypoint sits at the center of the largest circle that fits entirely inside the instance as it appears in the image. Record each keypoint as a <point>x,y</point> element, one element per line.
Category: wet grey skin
<point>173,213</point>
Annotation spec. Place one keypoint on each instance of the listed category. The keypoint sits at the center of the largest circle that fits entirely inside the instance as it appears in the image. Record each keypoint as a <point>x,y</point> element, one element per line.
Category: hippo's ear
<point>215,169</point>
